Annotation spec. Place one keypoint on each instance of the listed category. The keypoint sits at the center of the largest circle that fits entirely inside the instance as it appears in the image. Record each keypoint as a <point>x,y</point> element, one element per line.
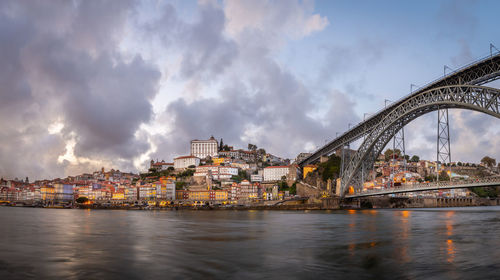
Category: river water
<point>445,243</point>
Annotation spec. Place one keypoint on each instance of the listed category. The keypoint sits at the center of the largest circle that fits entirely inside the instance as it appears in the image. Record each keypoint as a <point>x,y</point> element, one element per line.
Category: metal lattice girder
<point>399,144</point>
<point>478,73</point>
<point>478,98</point>
<point>443,140</point>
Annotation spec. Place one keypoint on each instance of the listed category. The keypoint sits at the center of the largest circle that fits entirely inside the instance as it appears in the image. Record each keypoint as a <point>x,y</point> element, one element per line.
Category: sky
<point>114,84</point>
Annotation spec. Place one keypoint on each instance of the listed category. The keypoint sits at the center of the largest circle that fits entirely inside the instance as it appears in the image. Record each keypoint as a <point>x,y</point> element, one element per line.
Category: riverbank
<point>331,203</point>
<point>405,202</point>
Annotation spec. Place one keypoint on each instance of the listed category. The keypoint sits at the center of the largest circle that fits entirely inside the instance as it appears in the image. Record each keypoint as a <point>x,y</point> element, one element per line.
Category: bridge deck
<point>430,187</point>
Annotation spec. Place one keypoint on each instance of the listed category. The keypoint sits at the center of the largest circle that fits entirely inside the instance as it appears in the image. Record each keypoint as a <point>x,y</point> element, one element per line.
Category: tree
<point>191,166</point>
<point>430,178</point>
<point>209,160</point>
<point>293,189</point>
<point>82,199</point>
<point>179,185</point>
<point>489,162</point>
<point>389,154</point>
<point>261,151</point>
<point>283,186</point>
<point>459,163</point>
<point>443,176</point>
<point>221,144</point>
<point>415,158</point>
<point>330,169</point>
<point>252,147</point>
<point>486,191</point>
<point>243,174</point>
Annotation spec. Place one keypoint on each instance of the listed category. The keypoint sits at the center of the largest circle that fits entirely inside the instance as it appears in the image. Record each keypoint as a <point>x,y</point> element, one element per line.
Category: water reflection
<point>405,234</point>
<point>450,247</point>
<point>391,244</point>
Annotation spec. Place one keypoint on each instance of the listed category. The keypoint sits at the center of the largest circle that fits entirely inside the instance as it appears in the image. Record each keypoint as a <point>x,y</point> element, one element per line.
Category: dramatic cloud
<point>259,101</point>
<point>62,66</point>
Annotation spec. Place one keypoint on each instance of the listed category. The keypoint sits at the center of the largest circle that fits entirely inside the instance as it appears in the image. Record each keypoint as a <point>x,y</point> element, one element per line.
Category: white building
<point>171,191</point>
<point>216,172</point>
<point>228,170</point>
<point>186,161</point>
<point>275,173</point>
<point>160,166</point>
<point>204,148</point>
<point>256,178</point>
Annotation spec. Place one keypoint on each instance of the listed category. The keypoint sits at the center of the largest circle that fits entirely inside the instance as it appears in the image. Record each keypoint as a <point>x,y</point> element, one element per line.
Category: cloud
<point>274,21</point>
<point>258,101</point>
<point>62,65</point>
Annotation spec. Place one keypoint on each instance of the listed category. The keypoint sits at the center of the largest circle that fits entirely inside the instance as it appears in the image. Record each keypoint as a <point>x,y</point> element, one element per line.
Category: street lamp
<point>411,87</point>
<point>444,69</point>
<point>385,102</point>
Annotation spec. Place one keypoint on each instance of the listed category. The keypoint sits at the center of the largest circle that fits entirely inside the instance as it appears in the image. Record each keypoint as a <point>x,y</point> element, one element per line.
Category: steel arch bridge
<point>460,89</point>
<point>477,98</point>
<point>476,73</point>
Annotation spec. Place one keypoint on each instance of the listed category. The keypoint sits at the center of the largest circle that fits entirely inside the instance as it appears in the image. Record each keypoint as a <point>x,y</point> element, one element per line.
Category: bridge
<point>459,89</point>
<point>486,182</point>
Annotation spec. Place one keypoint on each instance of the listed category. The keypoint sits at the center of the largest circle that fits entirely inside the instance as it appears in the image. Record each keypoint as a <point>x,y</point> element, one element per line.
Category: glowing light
<point>55,127</point>
<point>405,214</point>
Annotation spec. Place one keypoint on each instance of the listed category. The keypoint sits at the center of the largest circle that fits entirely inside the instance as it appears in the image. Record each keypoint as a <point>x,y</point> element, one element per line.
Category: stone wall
<point>306,190</point>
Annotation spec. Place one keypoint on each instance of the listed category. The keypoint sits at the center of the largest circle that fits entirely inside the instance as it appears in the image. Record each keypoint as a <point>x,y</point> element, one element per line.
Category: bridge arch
<point>477,98</point>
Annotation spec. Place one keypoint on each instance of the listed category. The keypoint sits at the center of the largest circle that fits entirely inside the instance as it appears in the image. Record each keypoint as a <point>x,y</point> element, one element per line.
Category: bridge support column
<point>399,143</point>
<point>443,141</point>
<point>345,157</point>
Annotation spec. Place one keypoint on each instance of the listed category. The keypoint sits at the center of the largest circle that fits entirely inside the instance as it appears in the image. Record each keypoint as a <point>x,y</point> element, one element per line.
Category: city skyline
<point>84,90</point>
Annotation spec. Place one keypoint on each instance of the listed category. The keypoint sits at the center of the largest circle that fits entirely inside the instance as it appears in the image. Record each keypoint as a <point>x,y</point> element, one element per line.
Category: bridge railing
<point>438,79</point>
<point>431,185</point>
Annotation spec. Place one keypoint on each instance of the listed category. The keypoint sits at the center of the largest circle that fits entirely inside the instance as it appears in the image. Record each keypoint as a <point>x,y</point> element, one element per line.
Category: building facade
<point>186,161</point>
<point>275,173</point>
<point>204,148</point>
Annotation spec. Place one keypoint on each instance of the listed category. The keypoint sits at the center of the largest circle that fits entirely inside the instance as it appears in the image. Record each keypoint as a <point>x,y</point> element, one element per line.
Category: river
<point>444,243</point>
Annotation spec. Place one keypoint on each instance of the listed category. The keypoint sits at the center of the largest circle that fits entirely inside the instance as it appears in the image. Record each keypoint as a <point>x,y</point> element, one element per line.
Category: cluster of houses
<point>398,171</point>
<point>216,176</point>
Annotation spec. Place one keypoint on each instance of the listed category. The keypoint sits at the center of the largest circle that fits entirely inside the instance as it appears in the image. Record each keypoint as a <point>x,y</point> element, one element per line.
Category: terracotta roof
<point>182,157</point>
<point>284,166</point>
<point>163,163</point>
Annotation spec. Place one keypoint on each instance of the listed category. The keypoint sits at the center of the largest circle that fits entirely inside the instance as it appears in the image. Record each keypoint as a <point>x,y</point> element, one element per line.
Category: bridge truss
<point>478,98</point>
<point>477,73</point>
<point>459,89</point>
